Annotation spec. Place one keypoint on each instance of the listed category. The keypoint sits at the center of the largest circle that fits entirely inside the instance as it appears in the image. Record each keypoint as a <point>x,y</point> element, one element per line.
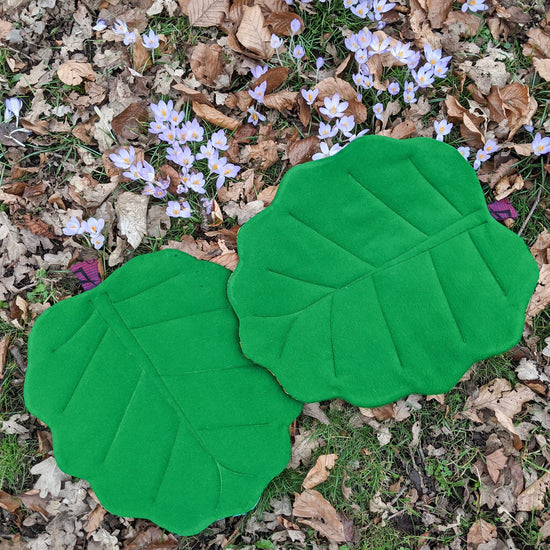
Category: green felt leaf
<point>377,273</point>
<point>150,398</point>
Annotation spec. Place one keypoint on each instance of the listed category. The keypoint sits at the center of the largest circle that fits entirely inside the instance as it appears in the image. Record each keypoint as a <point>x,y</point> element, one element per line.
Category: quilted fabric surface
<point>377,273</point>
<point>149,397</point>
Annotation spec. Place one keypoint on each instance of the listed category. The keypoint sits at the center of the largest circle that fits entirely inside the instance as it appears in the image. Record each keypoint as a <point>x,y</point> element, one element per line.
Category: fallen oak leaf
<point>324,519</point>
<point>320,471</point>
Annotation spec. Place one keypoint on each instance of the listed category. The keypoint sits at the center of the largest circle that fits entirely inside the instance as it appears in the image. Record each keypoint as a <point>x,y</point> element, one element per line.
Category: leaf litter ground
<point>465,469</point>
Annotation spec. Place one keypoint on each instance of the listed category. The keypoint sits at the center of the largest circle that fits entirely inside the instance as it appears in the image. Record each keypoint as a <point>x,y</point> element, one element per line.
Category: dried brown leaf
<point>280,22</point>
<point>269,6</point>
<point>539,250</point>
<point>324,519</point>
<point>541,40</point>
<point>191,94</point>
<point>206,63</point>
<point>314,410</point>
<point>304,445</point>
<point>499,397</point>
<point>468,21</point>
<point>281,100</point>
<point>274,77</point>
<point>268,194</point>
<point>542,66</point>
<point>304,111</point>
<point>480,532</point>
<point>266,151</point>
<point>253,34</point>
<point>302,150</point>
<point>236,10</point>
<point>438,11</point>
<point>94,519</point>
<point>38,227</point>
<point>541,296</point>
<point>330,86</point>
<point>154,538</point>
<point>207,13</point>
<point>9,503</point>
<point>320,471</point>
<point>495,463</point>
<point>141,57</point>
<point>4,344</point>
<point>507,185</point>
<point>128,124</point>
<point>533,496</point>
<point>74,72</point>
<point>212,115</point>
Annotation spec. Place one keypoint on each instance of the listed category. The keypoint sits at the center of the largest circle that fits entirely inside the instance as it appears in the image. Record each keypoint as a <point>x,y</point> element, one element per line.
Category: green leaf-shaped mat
<point>150,398</point>
<point>377,273</point>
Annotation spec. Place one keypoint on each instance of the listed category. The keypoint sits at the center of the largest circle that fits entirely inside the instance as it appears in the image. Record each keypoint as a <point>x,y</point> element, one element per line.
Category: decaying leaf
<point>320,471</point>
<point>499,397</point>
<point>480,532</point>
<point>206,13</point>
<point>253,34</point>
<point>541,296</point>
<point>74,72</point>
<point>131,210</point>
<point>324,519</point>
<point>265,151</point>
<point>533,496</point>
<point>314,410</point>
<point>302,150</point>
<point>304,445</point>
<point>50,478</point>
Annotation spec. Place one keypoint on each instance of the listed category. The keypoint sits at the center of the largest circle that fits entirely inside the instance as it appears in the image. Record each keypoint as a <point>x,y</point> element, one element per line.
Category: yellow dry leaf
<point>73,72</point>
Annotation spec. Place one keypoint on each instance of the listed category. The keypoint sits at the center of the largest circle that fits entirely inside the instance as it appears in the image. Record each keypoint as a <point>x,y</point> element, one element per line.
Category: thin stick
<point>531,212</point>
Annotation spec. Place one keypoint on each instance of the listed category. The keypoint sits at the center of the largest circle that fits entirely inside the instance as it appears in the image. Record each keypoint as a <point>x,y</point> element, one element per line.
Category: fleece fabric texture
<point>377,273</point>
<point>149,397</point>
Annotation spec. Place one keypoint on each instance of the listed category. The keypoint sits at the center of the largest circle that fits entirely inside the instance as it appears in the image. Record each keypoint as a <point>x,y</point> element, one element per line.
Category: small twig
<point>235,534</point>
<point>531,212</point>
<point>399,495</point>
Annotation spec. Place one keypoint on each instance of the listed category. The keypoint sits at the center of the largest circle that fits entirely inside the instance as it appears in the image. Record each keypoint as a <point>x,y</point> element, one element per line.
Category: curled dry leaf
<point>212,115</point>
<point>320,471</point>
<point>253,34</point>
<point>206,13</point>
<point>438,11</point>
<point>73,72</point>
<point>304,445</point>
<point>314,410</point>
<point>542,66</point>
<point>512,103</point>
<point>206,63</point>
<point>499,397</point>
<point>324,519</point>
